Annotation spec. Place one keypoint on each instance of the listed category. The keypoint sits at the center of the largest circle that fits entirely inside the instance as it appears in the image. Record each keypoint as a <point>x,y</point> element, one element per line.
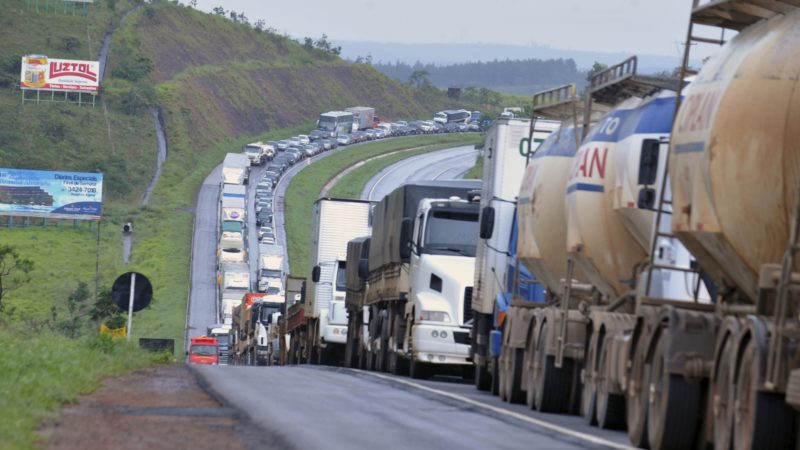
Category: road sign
<point>142,292</point>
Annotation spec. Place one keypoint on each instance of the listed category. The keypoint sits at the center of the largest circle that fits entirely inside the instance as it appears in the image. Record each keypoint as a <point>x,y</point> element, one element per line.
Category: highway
<point>324,407</point>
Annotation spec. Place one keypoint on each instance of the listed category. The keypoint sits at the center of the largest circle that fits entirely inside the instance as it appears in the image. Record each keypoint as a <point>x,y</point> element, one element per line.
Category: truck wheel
<point>483,381</point>
<point>589,391</point>
<point>610,408</point>
<point>552,384</point>
<point>502,376</point>
<point>672,415</point>
<point>514,383</point>
<point>636,398</point>
<point>420,370</point>
<point>722,396</point>
<point>398,363</point>
<point>530,380</point>
<point>763,420</point>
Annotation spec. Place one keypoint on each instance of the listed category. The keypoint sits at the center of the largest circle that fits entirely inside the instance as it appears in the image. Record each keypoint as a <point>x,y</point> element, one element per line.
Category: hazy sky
<point>633,26</point>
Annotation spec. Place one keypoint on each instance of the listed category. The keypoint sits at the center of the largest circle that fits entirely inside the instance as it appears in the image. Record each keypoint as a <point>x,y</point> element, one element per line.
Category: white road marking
<point>557,428</point>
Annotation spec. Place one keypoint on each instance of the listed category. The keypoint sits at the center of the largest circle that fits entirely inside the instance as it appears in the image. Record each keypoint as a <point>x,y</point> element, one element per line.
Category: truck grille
<point>467,314</point>
<point>462,337</point>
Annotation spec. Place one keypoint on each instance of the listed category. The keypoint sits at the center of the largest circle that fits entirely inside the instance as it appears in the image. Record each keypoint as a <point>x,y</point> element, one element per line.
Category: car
<point>304,139</point>
<point>326,144</point>
<point>282,145</point>
<point>267,239</point>
<point>264,185</point>
<point>263,217</point>
<point>274,167</point>
<point>317,134</point>
<point>294,141</point>
<point>344,139</point>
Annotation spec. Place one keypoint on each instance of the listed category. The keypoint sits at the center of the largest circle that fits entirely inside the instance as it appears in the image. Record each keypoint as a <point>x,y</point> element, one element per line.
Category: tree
<point>260,24</point>
<point>308,43</point>
<point>597,67</point>
<point>14,271</point>
<point>77,308</point>
<point>419,78</point>
<point>218,10</point>
<point>193,3</point>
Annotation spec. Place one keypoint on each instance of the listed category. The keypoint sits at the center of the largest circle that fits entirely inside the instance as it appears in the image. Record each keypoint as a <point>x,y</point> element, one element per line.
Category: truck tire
<point>552,384</point>
<point>589,391</point>
<point>674,403</point>
<point>610,408</point>
<point>420,370</point>
<point>722,397</point>
<point>530,380</point>
<point>515,393</point>
<point>483,381</point>
<point>398,364</point>
<point>636,396</point>
<point>495,390</point>
<point>763,419</point>
<point>502,376</point>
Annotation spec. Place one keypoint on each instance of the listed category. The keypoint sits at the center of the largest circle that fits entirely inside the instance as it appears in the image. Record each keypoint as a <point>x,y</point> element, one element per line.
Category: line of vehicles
<point>629,256</point>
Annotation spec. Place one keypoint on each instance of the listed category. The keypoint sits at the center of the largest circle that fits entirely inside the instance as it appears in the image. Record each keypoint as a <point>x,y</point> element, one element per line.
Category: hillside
<point>218,83</point>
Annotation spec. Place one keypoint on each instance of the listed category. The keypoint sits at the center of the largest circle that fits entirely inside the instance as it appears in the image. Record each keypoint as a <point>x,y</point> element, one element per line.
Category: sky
<point>634,26</point>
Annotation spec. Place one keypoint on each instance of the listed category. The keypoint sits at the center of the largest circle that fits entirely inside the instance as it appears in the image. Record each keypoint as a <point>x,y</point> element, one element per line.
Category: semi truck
<point>255,322</point>
<point>452,116</point>
<point>334,223</point>
<point>233,202</point>
<point>420,273</point>
<point>221,333</point>
<point>259,152</point>
<point>504,158</point>
<point>295,320</point>
<point>356,273</point>
<point>270,268</point>
<point>235,169</point>
<point>363,117</point>
<point>234,281</point>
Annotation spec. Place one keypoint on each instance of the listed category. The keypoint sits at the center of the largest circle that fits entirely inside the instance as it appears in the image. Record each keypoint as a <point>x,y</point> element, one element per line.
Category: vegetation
<point>306,186</point>
<point>40,371</point>
<point>476,172</point>
<point>510,76</point>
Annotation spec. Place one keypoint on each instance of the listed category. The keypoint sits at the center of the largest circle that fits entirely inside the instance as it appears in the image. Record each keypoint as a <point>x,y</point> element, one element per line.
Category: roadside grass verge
<point>476,172</point>
<point>40,372</point>
<point>305,187</point>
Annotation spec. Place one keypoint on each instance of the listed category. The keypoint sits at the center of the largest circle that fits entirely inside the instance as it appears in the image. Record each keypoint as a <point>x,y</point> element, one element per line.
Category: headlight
<point>435,316</point>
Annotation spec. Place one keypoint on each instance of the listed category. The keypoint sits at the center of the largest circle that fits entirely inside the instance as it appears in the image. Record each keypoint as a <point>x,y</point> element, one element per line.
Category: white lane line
<point>557,428</point>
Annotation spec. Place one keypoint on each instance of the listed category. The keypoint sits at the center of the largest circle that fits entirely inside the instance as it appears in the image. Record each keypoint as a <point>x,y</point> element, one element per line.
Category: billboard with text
<point>58,195</point>
<point>64,75</point>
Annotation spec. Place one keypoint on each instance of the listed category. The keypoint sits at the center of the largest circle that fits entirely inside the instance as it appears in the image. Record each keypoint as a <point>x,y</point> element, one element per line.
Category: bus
<point>452,116</point>
<point>336,122</point>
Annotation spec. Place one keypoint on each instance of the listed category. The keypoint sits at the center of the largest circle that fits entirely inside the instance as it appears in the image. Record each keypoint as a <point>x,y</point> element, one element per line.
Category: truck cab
<point>442,265</point>
<point>334,323</point>
<point>265,316</point>
<point>204,350</point>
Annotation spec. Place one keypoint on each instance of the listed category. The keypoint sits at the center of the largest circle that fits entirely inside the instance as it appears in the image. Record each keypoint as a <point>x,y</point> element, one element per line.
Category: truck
<point>233,201</point>
<point>363,117</point>
<point>336,122</point>
<point>452,116</point>
<point>234,281</point>
<point>204,350</point>
<point>259,152</point>
<point>334,222</point>
<point>235,169</point>
<point>254,328</point>
<point>356,274</point>
<point>221,333</point>
<point>270,268</point>
<point>504,159</point>
<point>420,272</point>
<point>295,319</point>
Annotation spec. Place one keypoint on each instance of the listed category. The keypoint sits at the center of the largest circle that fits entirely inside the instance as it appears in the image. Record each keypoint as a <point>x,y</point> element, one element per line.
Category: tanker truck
<point>504,159</point>
<point>334,223</point>
<point>421,266</point>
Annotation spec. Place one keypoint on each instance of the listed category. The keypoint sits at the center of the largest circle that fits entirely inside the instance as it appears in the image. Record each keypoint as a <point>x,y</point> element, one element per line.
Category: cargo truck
<point>363,117</point>
<point>270,268</point>
<point>235,169</point>
<point>504,158</point>
<point>295,320</point>
<point>233,202</point>
<point>421,268</point>
<point>255,322</point>
<point>221,333</point>
<point>259,152</point>
<point>334,223</point>
<point>234,281</point>
<point>356,274</point>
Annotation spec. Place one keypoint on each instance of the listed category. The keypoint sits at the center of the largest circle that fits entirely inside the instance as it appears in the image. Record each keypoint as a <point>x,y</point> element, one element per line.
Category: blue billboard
<point>58,195</point>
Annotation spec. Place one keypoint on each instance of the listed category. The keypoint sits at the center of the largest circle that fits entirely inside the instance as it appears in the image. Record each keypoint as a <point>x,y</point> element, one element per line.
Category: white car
<point>265,230</point>
<point>232,255</point>
<point>268,239</point>
<point>304,139</point>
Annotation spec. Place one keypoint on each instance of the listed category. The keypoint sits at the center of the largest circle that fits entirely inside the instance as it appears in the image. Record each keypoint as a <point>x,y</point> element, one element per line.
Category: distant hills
<point>460,53</point>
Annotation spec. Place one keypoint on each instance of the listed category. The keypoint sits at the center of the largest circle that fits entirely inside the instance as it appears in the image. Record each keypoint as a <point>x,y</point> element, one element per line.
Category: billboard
<point>58,195</point>
<point>64,75</point>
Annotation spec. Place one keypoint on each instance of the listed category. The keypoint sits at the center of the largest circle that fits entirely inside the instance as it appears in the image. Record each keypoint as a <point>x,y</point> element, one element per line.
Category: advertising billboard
<point>58,195</point>
<point>64,75</point>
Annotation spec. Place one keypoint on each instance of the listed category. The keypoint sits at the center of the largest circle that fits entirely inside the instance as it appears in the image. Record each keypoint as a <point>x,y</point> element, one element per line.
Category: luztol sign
<point>66,75</point>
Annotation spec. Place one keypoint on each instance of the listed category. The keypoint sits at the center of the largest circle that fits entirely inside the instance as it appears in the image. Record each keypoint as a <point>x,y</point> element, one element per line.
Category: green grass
<point>476,172</point>
<point>307,184</point>
<point>39,372</point>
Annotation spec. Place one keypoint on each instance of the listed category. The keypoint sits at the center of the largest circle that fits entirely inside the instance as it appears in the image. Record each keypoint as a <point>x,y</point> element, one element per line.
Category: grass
<point>47,371</point>
<point>305,187</point>
<point>476,172</point>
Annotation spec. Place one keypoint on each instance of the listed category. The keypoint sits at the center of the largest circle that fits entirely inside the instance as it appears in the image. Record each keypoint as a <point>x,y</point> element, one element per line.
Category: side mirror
<point>647,198</point>
<point>406,230</point>
<point>648,164</point>
<point>315,273</point>
<point>487,222</point>
<point>363,269</point>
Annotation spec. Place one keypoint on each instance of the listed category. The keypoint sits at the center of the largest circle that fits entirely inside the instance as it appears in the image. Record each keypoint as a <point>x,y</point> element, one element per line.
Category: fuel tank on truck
<point>735,154</point>
<point>540,211</point>
<point>607,233</point>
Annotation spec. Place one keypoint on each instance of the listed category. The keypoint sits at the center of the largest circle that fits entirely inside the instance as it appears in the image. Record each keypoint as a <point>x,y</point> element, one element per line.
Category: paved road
<point>313,407</point>
<point>440,165</point>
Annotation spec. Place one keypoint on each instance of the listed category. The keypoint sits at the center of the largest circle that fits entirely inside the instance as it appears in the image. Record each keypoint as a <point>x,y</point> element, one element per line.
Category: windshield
<point>252,149</point>
<point>440,116</point>
<point>268,310</point>
<point>341,278</point>
<point>232,225</point>
<point>204,350</point>
<point>273,290</point>
<point>452,231</point>
<point>270,273</point>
